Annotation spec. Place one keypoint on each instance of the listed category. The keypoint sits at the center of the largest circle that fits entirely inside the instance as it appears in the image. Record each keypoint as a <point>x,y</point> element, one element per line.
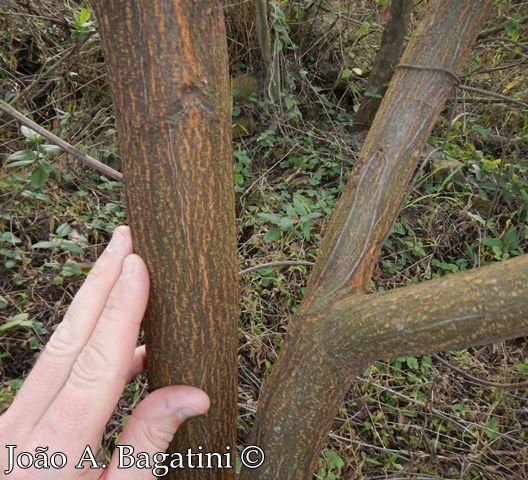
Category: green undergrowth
<point>460,415</point>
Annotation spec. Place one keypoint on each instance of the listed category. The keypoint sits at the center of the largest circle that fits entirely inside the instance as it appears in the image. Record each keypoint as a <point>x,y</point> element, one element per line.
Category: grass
<point>416,418</point>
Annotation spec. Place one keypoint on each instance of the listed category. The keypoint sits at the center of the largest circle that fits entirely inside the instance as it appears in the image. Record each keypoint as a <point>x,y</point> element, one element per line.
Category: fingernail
<point>188,412</point>
<point>117,242</point>
<point>128,268</point>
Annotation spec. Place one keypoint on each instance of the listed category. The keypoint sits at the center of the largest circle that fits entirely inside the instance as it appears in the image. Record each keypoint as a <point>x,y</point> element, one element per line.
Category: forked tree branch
<point>339,337</point>
<point>339,329</point>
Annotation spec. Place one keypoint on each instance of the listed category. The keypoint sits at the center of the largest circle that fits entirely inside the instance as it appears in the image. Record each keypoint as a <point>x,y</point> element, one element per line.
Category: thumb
<point>152,426</point>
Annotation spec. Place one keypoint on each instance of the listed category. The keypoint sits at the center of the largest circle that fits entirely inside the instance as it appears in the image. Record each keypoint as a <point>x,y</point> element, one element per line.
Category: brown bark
<point>270,60</point>
<point>387,58</point>
<point>339,337</point>
<point>335,335</point>
<point>391,151</point>
<point>168,67</point>
<point>479,306</point>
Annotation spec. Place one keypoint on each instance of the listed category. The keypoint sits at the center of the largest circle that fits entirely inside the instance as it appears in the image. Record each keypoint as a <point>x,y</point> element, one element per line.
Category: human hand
<point>73,388</point>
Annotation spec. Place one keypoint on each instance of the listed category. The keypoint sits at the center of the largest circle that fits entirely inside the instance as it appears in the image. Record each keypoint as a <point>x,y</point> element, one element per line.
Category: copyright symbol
<point>252,456</point>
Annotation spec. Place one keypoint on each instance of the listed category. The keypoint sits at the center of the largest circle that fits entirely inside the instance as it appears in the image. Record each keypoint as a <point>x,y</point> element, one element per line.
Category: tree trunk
<point>339,330</point>
<point>269,57</point>
<point>168,68</point>
<point>387,58</point>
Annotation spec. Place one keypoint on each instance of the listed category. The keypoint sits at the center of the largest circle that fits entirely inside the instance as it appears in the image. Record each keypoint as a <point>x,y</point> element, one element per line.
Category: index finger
<point>80,411</point>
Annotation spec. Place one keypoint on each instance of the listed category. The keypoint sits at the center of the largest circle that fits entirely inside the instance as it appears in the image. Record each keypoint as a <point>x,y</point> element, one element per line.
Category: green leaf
<point>272,235</point>
<point>346,73</point>
<point>63,230</point>
<point>334,460</point>
<point>448,267</point>
<point>21,163</point>
<point>53,265</point>
<point>492,430</point>
<point>38,177</point>
<point>44,245</point>
<point>289,102</point>
<point>493,242</point>
<point>373,94</point>
<point>476,217</point>
<point>47,149</point>
<point>364,28</point>
<point>312,215</point>
<point>71,247</point>
<point>39,328</point>
<point>34,344</point>
<point>368,459</point>
<point>512,29</point>
<point>31,135</point>
<point>270,217</point>
<point>427,362</point>
<point>300,209</point>
<point>71,269</point>
<point>9,264</point>
<point>82,16</point>
<point>286,222</point>
<point>511,239</point>
<point>20,320</point>
<point>484,132</point>
<point>239,179</point>
<point>22,157</point>
<point>9,237</point>
<point>305,227</point>
<point>522,367</point>
<point>500,254</point>
<point>412,363</point>
<point>15,384</point>
<point>35,196</point>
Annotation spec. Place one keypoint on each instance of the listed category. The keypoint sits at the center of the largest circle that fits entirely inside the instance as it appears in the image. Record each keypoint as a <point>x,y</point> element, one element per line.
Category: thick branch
<point>367,209</point>
<point>479,306</point>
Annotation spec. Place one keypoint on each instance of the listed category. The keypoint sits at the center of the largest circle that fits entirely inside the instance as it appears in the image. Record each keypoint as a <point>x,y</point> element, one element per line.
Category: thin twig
<point>499,28</point>
<point>275,264</point>
<point>80,156</point>
<point>452,74</point>
<point>493,94</point>
<point>478,381</point>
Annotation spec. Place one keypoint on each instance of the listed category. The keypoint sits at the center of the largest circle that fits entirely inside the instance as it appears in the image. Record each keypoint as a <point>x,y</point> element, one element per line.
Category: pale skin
<point>70,394</point>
